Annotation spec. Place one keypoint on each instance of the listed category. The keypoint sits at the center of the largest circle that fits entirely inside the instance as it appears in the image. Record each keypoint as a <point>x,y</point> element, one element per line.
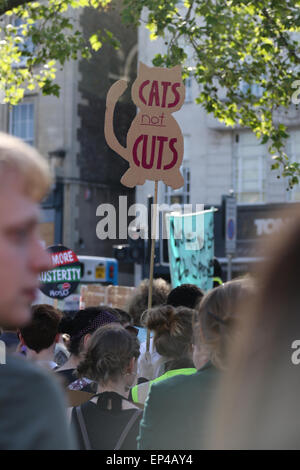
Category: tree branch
<point>281,35</point>
<point>6,5</point>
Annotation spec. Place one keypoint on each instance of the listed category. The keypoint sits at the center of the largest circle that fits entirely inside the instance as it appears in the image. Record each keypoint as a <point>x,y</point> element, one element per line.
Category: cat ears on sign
<point>144,68</point>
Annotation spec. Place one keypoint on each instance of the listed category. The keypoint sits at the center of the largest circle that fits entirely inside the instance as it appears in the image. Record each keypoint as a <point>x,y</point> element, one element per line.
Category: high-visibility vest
<point>218,280</point>
<point>140,392</point>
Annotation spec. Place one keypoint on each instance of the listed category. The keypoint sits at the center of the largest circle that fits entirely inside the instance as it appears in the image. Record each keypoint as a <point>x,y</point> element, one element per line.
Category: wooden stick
<point>55,303</point>
<point>153,239</point>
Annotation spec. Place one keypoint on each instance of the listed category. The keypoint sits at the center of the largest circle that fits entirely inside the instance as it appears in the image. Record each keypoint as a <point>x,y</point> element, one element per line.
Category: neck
<point>118,387</point>
<point>46,354</point>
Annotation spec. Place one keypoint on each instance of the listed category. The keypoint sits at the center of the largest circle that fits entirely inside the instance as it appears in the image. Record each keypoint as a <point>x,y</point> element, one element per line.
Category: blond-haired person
<point>32,414</point>
<point>175,415</point>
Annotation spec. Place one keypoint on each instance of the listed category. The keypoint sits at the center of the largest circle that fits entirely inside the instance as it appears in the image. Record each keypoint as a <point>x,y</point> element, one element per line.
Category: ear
<point>143,68</point>
<point>86,340</point>
<point>131,365</point>
<point>21,339</point>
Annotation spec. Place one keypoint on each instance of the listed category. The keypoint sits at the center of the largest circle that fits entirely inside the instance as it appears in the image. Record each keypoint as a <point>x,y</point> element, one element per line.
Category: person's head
<point>111,356</point>
<point>83,325</point>
<point>216,319</point>
<point>124,317</point>
<point>127,321</point>
<point>24,182</point>
<point>186,295</point>
<point>42,331</point>
<point>138,303</point>
<point>173,330</point>
<point>257,405</point>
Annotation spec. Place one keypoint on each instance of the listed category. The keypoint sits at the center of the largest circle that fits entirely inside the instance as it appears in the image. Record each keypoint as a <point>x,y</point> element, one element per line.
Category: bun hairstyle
<point>108,354</point>
<point>216,319</point>
<point>172,329</point>
<point>86,321</point>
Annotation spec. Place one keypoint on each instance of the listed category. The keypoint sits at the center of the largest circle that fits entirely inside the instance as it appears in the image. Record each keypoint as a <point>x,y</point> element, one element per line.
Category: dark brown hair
<point>40,333</point>
<point>109,352</point>
<point>86,321</point>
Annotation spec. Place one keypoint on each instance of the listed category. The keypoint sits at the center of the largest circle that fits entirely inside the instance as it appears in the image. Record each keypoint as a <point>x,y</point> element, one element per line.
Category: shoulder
<point>18,372</point>
<point>182,383</point>
<point>34,408</point>
<point>35,387</point>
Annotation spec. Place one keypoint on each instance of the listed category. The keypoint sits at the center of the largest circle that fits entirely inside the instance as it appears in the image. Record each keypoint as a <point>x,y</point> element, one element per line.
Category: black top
<point>105,426</point>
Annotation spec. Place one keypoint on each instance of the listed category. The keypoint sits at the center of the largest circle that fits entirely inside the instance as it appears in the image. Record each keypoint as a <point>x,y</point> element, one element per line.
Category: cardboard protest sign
<point>93,295</point>
<point>77,397</point>
<point>62,280</point>
<point>154,141</point>
<point>191,248</point>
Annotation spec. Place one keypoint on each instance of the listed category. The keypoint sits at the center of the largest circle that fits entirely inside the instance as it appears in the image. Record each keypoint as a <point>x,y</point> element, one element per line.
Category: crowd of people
<point>217,373</point>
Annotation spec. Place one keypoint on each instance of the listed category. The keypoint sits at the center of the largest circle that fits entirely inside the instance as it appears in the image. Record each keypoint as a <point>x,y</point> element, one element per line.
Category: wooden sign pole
<point>153,238</point>
<point>154,145</point>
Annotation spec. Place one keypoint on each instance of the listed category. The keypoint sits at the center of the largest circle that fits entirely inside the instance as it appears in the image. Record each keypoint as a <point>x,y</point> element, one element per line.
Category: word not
<point>153,120</point>
<point>63,257</point>
<point>66,274</point>
<point>2,352</point>
<point>158,94</point>
<point>155,141</point>
<point>138,228</point>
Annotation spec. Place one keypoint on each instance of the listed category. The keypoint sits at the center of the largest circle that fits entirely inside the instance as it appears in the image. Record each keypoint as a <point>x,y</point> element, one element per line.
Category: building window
<point>293,151</point>
<point>21,122</point>
<point>250,169</point>
<point>26,47</point>
<point>188,90</point>
<point>255,89</point>
<point>181,195</point>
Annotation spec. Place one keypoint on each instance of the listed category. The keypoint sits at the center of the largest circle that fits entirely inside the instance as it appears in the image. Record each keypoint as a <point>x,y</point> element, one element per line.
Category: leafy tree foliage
<point>233,45</point>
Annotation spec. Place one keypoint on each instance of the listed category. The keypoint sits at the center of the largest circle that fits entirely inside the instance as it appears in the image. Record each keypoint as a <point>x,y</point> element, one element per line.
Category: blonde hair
<point>218,316</point>
<point>21,158</point>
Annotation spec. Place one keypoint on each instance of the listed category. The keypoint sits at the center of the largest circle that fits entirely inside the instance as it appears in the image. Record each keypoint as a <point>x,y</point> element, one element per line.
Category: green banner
<point>191,248</point>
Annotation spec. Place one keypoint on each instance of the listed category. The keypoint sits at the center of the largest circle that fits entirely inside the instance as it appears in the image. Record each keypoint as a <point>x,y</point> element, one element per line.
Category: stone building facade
<point>220,159</point>
<point>69,132</point>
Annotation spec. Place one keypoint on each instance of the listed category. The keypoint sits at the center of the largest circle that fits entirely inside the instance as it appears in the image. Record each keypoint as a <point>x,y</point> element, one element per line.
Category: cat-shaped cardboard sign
<point>154,141</point>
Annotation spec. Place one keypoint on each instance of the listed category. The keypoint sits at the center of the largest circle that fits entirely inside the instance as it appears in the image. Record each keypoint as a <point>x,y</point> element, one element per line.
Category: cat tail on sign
<point>116,90</point>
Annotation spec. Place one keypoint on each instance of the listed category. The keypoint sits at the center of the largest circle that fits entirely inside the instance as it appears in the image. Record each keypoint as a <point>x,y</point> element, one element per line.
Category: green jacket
<point>140,392</point>
<point>176,411</point>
